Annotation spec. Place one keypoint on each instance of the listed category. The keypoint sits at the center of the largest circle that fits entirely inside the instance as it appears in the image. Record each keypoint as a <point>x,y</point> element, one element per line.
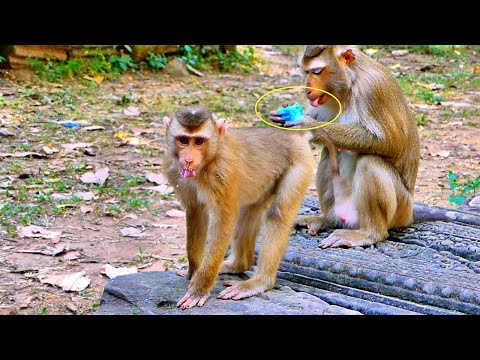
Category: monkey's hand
<point>191,299</point>
<point>277,119</point>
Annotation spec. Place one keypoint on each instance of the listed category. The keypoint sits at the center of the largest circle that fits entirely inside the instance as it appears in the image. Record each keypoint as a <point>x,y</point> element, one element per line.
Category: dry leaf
<point>443,153</point>
<point>71,255</point>
<point>86,209</point>
<point>76,146</point>
<point>45,250</point>
<point>159,179</point>
<point>70,306</point>
<point>70,282</point>
<point>86,195</point>
<point>155,266</point>
<point>131,111</point>
<point>23,300</point>
<point>49,150</point>
<point>400,52</point>
<point>57,197</point>
<point>477,70</point>
<point>97,78</point>
<point>37,231</point>
<point>98,177</point>
<point>136,130</point>
<point>162,189</point>
<point>113,272</point>
<point>23,154</point>
<point>132,232</point>
<point>93,128</point>
<point>175,213</point>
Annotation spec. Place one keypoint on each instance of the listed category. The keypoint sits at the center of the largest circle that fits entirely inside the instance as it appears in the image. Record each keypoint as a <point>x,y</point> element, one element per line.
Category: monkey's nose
<point>188,161</point>
<point>308,91</point>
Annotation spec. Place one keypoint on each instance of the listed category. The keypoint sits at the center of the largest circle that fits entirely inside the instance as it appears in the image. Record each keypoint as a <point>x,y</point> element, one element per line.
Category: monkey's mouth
<point>316,102</point>
<point>187,172</point>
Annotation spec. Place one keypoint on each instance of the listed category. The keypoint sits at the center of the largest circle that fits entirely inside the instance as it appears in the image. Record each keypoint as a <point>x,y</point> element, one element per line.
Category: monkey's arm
<point>357,138</point>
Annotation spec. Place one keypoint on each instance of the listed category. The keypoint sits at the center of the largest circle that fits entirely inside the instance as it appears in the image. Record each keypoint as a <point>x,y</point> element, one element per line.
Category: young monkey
<point>231,182</point>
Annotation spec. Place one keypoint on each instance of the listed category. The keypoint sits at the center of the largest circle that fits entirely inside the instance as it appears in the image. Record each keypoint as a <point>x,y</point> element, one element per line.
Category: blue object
<point>291,113</point>
<point>71,124</point>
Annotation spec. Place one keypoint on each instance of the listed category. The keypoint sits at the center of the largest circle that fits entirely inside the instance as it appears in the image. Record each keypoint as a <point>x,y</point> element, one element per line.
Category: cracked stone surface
<point>426,268</point>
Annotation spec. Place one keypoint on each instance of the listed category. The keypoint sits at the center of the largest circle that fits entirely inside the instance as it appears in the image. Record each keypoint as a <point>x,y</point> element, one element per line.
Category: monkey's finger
<point>203,300</point>
<point>226,294</point>
<point>183,299</point>
<point>191,302</point>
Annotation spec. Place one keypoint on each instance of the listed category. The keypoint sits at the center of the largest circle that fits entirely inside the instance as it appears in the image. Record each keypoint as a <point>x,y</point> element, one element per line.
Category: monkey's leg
<point>222,226</point>
<point>197,226</point>
<point>279,221</point>
<point>376,201</point>
<point>243,245</point>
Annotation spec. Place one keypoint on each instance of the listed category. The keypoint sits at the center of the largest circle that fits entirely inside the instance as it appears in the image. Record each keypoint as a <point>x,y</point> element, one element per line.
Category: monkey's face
<point>191,152</point>
<point>317,74</point>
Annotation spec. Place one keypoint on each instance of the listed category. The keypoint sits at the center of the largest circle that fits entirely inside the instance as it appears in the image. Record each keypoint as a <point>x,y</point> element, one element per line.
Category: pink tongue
<point>188,173</point>
<point>314,102</point>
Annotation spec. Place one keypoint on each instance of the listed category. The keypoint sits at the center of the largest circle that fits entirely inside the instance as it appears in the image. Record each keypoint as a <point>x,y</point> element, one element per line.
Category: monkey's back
<point>264,155</point>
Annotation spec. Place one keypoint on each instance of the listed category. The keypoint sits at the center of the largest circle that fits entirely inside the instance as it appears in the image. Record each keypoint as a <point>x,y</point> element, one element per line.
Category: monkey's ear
<point>221,124</point>
<point>347,56</point>
<point>167,121</point>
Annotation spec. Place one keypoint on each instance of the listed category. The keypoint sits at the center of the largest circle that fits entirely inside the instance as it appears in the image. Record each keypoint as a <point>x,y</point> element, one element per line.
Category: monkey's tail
<point>322,136</point>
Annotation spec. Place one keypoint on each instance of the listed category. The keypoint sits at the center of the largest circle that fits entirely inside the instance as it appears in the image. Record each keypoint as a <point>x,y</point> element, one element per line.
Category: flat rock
<point>157,292</point>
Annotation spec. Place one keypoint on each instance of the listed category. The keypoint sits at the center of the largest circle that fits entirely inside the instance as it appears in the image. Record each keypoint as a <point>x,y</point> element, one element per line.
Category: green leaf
<point>129,49</point>
<point>456,199</point>
<point>467,189</point>
<point>453,186</point>
<point>452,176</point>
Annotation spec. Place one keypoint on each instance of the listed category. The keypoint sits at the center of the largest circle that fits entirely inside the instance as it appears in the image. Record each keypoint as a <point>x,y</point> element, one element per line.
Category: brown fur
<point>245,177</point>
<point>379,145</point>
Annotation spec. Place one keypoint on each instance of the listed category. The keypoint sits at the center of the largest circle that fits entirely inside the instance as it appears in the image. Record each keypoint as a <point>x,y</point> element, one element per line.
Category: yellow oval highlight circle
<point>298,87</point>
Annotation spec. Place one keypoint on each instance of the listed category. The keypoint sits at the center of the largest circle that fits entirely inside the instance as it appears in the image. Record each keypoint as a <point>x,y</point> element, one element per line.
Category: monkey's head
<point>194,135</point>
<point>326,68</point>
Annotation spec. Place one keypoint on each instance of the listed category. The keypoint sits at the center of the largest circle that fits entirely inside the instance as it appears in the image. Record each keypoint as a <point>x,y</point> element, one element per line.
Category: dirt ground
<point>122,130</point>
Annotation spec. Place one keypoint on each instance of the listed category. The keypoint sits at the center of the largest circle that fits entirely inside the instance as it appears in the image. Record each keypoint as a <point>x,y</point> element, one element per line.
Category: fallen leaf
<point>370,51</point>
<point>130,231</point>
<point>93,128</point>
<point>23,154</point>
<point>194,71</point>
<point>90,151</point>
<point>113,272</point>
<point>136,130</point>
<point>49,150</point>
<point>162,189</point>
<point>131,216</point>
<point>23,300</point>
<point>121,135</point>
<point>86,195</point>
<point>5,132</point>
<point>155,266</point>
<point>86,209</point>
<point>175,213</point>
<point>70,282</point>
<point>37,231</point>
<point>400,52</point>
<point>45,250</point>
<point>443,153</point>
<point>98,177</point>
<point>71,255</point>
<point>57,197</point>
<point>477,70</point>
<point>76,146</point>
<point>159,179</point>
<point>70,306</point>
<point>432,86</point>
<point>131,111</point>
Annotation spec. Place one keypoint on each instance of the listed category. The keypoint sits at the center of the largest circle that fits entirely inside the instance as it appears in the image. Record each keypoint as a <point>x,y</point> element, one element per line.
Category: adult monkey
<point>378,142</point>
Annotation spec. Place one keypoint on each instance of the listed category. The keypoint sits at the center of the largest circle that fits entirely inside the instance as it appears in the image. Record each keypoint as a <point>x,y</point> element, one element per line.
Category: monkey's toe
<point>346,239</point>
<point>189,301</point>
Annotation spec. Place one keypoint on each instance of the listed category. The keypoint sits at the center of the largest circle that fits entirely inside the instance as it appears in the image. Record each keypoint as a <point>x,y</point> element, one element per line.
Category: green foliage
<point>421,119</point>
<point>122,63</point>
<point>156,62</point>
<point>53,70</point>
<point>2,59</point>
<point>462,189</point>
<point>204,57</point>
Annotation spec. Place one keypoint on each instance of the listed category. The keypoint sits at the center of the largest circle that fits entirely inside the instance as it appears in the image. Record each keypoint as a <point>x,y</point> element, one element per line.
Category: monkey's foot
<point>241,289</point>
<point>313,223</point>
<point>190,300</point>
<point>231,267</point>
<point>347,239</point>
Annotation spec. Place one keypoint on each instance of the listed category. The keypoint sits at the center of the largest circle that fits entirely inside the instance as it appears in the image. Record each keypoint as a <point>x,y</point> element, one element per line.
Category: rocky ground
<point>97,193</point>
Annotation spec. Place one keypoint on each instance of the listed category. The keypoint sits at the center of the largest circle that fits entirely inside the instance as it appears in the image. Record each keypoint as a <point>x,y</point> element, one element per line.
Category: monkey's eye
<point>199,141</point>
<point>317,71</point>
<point>183,140</point>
